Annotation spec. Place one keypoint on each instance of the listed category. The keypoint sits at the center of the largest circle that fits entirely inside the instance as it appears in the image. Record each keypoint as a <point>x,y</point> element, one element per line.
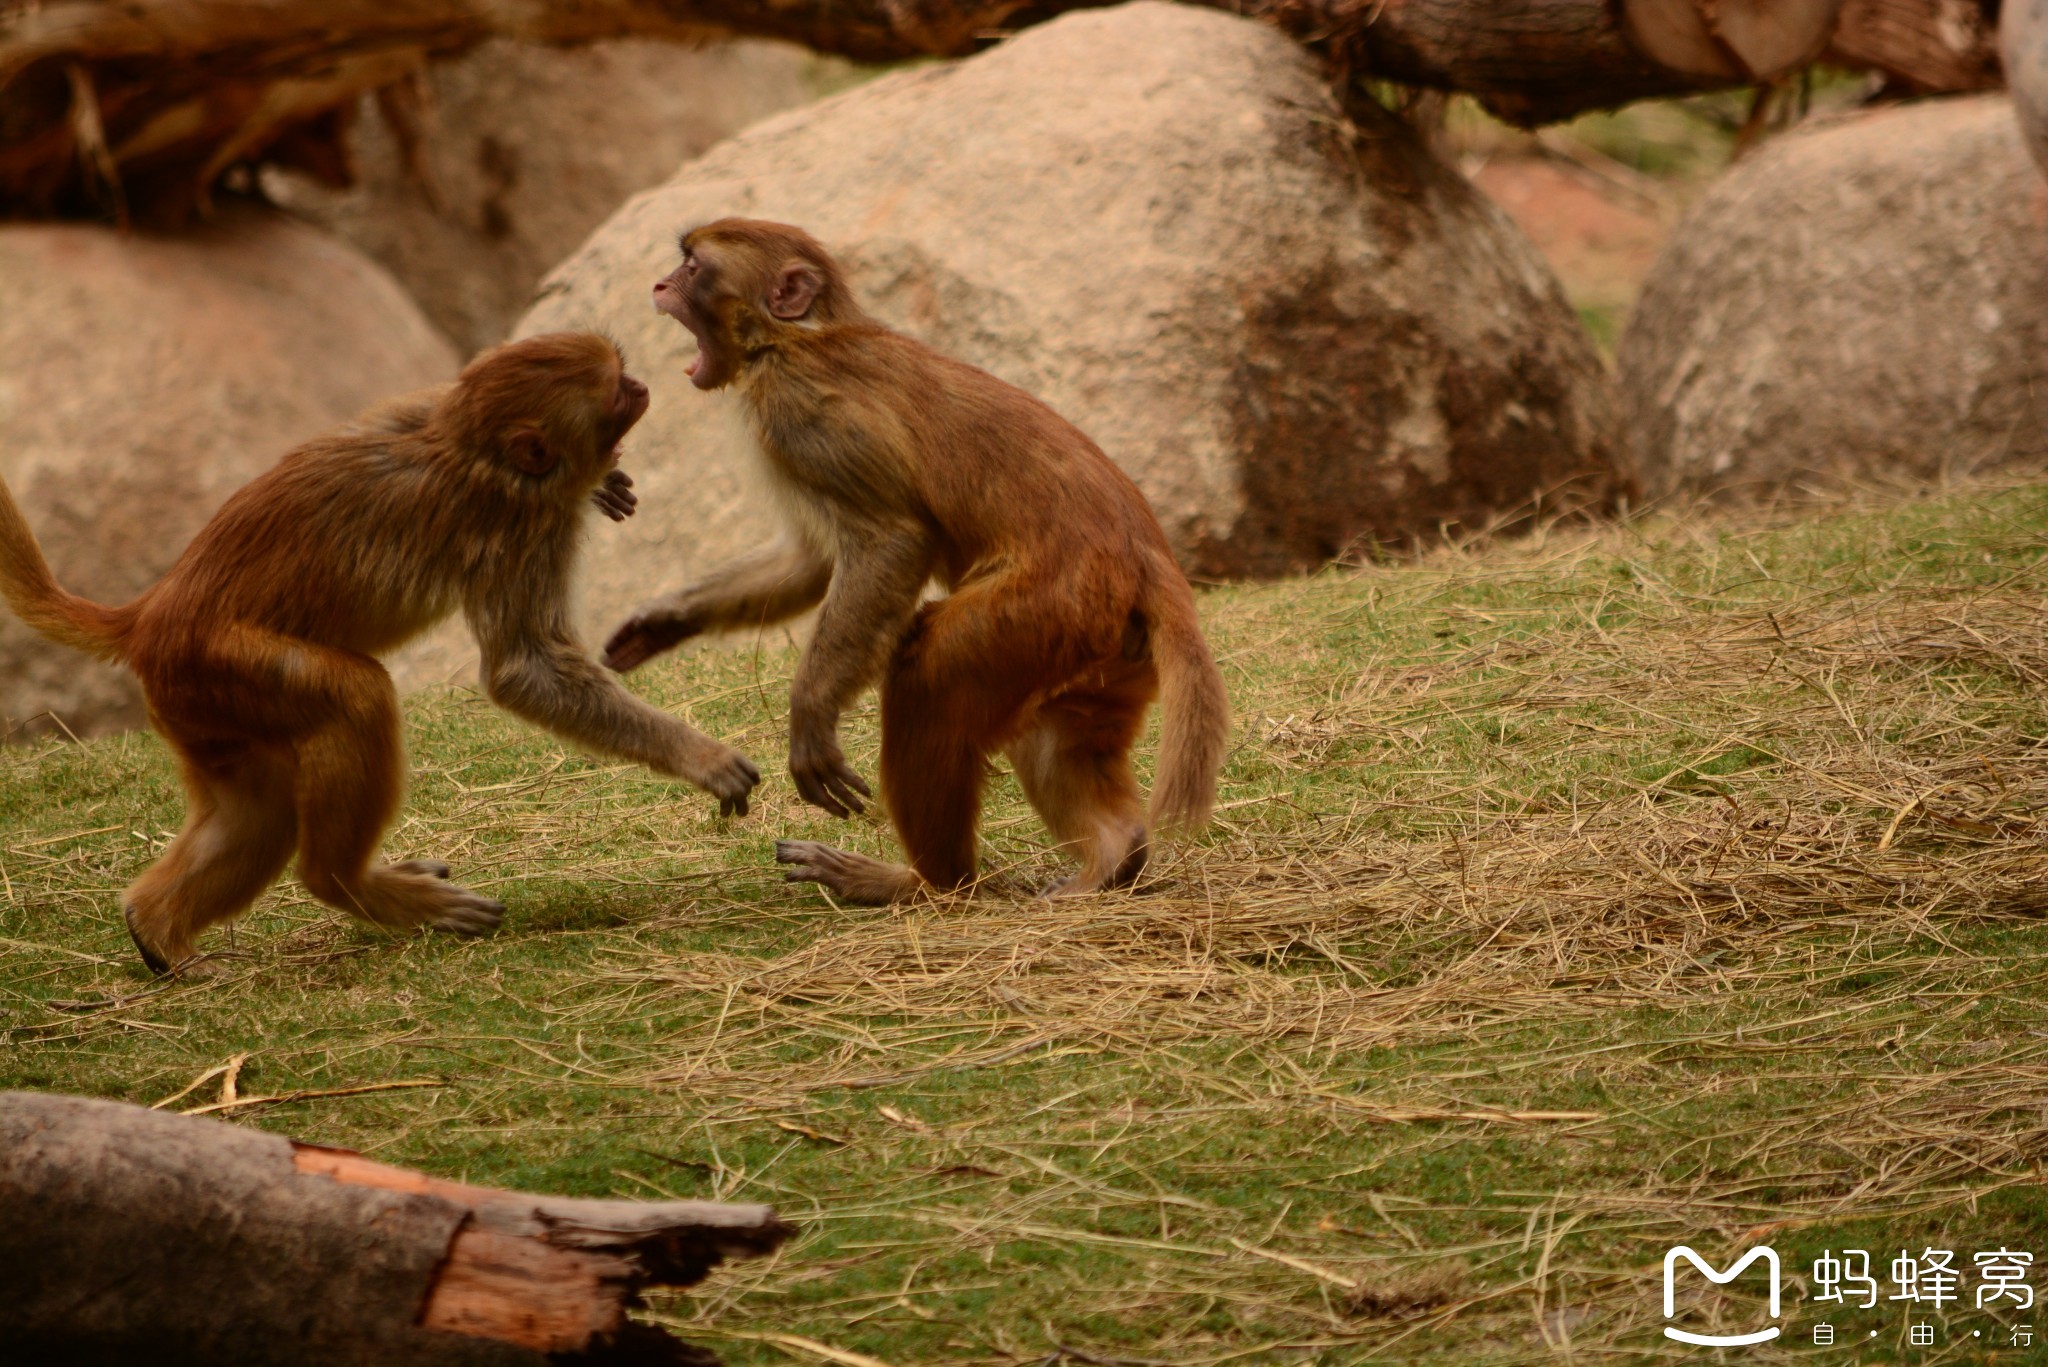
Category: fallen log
<point>129,1235</point>
<point>140,108</point>
<point>1921,47</point>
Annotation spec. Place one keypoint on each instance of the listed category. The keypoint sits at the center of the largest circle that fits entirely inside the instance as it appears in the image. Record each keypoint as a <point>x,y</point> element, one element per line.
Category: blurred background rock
<point>475,177</point>
<point>146,377</point>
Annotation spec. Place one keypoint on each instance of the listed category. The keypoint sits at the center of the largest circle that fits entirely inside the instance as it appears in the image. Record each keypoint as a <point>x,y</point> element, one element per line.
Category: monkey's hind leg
<point>943,707</point>
<point>351,777</point>
<point>1074,766</point>
<point>931,778</point>
<point>239,831</point>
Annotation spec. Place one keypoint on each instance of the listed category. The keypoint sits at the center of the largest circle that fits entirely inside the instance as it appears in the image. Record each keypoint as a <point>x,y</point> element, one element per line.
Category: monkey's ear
<point>528,451</point>
<point>794,290</point>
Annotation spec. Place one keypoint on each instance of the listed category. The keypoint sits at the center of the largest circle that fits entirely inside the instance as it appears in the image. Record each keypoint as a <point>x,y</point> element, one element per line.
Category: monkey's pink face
<point>681,295</point>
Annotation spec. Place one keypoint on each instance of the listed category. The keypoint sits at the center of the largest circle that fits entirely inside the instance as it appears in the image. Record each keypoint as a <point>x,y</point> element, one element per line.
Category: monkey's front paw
<point>433,868</point>
<point>645,635</point>
<point>615,497</point>
<point>826,780</point>
<point>730,780</point>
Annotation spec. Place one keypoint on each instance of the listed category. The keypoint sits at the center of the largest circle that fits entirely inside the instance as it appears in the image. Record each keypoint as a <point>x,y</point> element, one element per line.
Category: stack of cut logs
<point>141,108</point>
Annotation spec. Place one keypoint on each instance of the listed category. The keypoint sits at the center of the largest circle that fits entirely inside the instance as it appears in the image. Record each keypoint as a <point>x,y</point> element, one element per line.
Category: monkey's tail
<point>32,591</point>
<point>1194,714</point>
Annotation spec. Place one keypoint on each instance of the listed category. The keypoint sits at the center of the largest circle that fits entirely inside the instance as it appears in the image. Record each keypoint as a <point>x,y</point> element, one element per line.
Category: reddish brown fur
<point>1066,613</point>
<point>257,651</point>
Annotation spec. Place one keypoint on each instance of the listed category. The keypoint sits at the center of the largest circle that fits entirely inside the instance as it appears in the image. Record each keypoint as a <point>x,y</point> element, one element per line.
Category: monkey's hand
<point>615,497</point>
<point>823,776</point>
<point>646,634</point>
<point>724,773</point>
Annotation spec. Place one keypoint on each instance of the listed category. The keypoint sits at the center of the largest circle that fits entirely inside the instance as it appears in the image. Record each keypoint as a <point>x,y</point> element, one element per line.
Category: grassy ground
<point>1569,899</point>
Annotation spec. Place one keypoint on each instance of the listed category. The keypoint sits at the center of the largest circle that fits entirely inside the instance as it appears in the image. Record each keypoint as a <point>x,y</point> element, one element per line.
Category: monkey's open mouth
<point>695,361</point>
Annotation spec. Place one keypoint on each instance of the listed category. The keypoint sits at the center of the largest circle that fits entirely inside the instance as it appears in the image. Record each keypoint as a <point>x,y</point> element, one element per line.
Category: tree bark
<point>140,1236</point>
<point>1530,61</point>
<point>118,108</point>
<point>1923,47</point>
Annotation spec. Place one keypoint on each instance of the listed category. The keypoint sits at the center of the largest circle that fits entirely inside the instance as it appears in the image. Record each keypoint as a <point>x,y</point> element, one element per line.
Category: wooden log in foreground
<point>136,1236</point>
<point>138,108</point>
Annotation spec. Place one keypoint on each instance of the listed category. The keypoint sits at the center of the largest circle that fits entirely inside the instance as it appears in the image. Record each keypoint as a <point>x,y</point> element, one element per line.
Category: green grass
<point>1603,323</point>
<point>1721,838</point>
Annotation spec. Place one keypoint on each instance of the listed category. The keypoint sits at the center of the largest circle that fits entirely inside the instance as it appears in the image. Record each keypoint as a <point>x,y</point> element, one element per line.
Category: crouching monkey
<point>257,651</point>
<point>1066,613</point>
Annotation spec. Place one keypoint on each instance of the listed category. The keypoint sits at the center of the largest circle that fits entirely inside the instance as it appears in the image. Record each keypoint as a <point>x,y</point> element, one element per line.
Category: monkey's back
<point>335,544</point>
<point>1000,473</point>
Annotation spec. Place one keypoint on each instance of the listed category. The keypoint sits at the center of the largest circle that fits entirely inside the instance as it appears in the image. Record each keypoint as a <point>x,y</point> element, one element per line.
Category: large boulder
<point>504,159</point>
<point>1866,299</point>
<point>2023,53</point>
<point>144,379</point>
<point>1298,335</point>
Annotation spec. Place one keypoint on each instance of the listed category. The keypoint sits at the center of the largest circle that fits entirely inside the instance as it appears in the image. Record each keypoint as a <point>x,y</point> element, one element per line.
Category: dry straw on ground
<point>1689,869</point>
<point>1846,782</point>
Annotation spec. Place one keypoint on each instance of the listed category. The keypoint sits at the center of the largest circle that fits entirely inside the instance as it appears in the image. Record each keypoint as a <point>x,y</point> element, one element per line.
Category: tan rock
<point>144,379</point>
<point>1297,337</point>
<point>2023,54</point>
<point>1864,299</point>
<point>522,151</point>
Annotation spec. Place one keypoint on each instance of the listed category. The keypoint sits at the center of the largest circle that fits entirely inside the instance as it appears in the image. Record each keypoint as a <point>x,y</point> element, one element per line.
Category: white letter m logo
<point>1671,1258</point>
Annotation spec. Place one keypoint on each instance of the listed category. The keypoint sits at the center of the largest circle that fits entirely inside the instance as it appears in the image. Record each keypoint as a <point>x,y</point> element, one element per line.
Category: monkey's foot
<point>465,913</point>
<point>415,892</point>
<point>1107,871</point>
<point>847,876</point>
<point>157,961</point>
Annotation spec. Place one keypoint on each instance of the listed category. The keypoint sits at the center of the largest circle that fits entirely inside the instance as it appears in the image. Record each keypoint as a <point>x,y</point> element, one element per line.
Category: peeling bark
<point>141,1236</point>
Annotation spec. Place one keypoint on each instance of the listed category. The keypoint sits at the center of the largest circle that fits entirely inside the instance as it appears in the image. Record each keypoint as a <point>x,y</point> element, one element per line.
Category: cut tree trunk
<point>139,108</point>
<point>132,1236</point>
<point>1771,37</point>
<point>1726,41</point>
<point>1922,47</point>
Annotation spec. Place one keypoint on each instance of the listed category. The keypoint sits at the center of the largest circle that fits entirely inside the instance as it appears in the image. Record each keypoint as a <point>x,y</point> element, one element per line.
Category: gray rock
<point>2023,53</point>
<point>522,151</point>
<point>144,379</point>
<point>1863,300</point>
<point>1296,335</point>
